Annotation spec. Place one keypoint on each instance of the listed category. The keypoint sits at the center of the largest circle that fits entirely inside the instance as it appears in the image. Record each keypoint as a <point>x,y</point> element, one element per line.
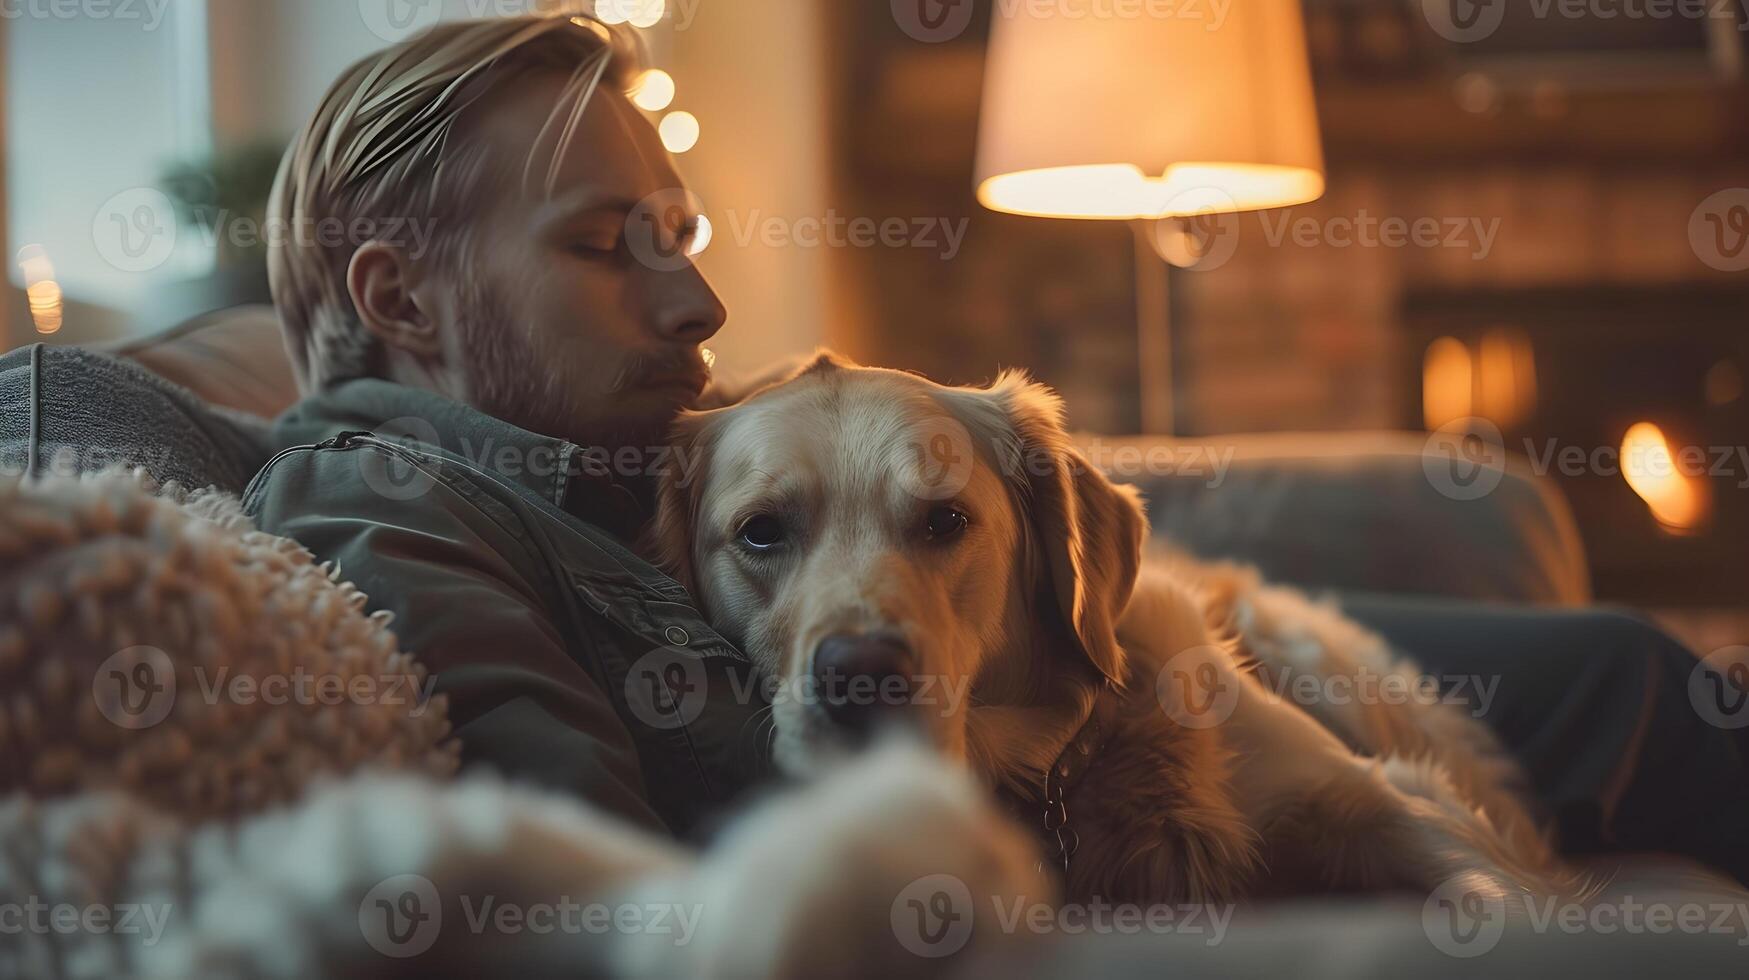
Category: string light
<point>647,14</point>
<point>701,238</point>
<point>638,13</point>
<point>653,91</point>
<point>679,131</point>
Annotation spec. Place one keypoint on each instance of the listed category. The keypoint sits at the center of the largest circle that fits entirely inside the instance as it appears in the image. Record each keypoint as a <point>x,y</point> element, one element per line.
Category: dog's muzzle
<point>864,680</point>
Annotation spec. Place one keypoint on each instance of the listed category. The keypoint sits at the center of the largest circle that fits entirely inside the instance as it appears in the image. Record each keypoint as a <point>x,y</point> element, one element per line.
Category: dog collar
<point>1065,774</point>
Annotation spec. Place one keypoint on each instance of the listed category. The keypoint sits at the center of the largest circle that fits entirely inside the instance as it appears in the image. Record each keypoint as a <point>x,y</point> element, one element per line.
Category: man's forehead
<point>613,156</point>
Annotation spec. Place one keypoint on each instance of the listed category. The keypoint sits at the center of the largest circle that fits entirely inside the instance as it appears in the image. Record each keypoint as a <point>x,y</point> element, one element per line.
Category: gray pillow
<point>92,411</point>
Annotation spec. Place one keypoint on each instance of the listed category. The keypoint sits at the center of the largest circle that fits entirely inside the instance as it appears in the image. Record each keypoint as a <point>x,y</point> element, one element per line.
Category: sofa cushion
<point>92,411</point>
<point>234,358</point>
<point>1363,512</point>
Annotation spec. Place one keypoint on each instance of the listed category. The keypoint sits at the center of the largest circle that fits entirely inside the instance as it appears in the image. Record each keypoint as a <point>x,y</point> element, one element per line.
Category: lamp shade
<point>1153,115</point>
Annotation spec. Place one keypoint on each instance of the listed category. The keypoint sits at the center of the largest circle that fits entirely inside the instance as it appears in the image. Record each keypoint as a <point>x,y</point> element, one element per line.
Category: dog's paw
<point>892,866</point>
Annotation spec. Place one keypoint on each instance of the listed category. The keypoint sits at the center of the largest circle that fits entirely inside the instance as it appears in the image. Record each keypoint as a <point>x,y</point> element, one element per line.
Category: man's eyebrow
<point>568,206</point>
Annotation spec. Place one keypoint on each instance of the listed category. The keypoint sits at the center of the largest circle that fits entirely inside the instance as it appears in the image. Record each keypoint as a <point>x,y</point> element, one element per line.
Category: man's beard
<point>512,378</point>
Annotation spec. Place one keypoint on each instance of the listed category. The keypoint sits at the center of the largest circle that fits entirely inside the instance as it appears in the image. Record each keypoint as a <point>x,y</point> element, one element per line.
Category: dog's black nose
<point>863,678</point>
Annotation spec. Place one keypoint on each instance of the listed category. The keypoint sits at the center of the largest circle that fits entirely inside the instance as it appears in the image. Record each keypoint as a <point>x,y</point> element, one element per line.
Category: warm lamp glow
<point>41,292</point>
<point>1117,117</point>
<point>1506,377</point>
<point>701,239</point>
<point>679,131</point>
<point>1447,383</point>
<point>1678,502</point>
<point>1122,191</point>
<point>653,91</point>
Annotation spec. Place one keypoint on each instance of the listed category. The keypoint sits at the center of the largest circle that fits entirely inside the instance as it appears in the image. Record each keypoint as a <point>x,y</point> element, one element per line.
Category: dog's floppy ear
<point>668,540</point>
<point>1087,530</point>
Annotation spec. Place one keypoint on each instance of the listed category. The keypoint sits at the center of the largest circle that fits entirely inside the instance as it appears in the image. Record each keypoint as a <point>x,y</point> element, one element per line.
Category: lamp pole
<point>1154,336</point>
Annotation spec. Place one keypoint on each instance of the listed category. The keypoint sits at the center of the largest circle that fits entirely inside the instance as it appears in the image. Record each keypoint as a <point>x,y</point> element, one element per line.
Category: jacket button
<point>677,636</point>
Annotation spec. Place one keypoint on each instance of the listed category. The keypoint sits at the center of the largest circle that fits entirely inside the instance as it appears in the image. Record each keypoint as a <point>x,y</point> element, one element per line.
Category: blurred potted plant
<point>224,197</point>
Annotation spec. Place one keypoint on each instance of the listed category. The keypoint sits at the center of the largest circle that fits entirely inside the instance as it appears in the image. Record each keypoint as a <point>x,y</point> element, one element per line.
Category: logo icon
<point>400,475</point>
<point>658,229</point>
<point>1462,920</point>
<point>933,916</point>
<point>1718,687</point>
<point>666,688</point>
<point>1465,459</point>
<point>933,21</point>
<point>1201,231</point>
<point>1195,691</point>
<point>135,688</point>
<point>135,231</point>
<point>1719,230</point>
<point>1464,21</point>
<point>395,21</point>
<point>401,916</point>
<point>939,459</point>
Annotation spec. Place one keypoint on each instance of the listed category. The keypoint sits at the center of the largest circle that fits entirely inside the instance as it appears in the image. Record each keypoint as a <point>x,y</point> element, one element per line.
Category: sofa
<point>1348,512</point>
<point>1355,512</point>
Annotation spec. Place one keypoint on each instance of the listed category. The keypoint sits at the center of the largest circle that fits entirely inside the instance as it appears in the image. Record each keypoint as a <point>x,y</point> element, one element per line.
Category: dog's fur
<point>1019,621</point>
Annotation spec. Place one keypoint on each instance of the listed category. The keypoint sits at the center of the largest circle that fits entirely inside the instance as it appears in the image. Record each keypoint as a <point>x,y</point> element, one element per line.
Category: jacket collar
<point>553,469</point>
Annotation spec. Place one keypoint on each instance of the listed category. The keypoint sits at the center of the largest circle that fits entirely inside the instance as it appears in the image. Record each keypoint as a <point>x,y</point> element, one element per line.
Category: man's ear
<point>1088,530</point>
<point>383,284</point>
<point>668,540</point>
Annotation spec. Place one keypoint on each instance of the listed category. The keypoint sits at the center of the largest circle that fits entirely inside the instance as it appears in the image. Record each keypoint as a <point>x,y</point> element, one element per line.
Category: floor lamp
<point>1149,118</point>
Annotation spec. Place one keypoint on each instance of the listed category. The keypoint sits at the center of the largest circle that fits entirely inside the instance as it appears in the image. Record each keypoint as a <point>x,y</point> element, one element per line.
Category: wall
<point>1307,336</point>
<point>753,72</point>
<point>98,107</point>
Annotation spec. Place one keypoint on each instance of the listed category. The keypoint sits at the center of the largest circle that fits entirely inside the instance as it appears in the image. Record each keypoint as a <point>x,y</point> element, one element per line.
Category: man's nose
<point>864,679</point>
<point>689,311</point>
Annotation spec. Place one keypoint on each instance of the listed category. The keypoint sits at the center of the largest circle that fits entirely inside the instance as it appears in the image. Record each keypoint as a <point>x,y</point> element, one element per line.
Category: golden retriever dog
<point>893,552</point>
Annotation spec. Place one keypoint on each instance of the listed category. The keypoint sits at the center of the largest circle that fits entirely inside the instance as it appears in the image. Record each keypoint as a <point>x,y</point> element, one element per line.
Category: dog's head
<point>891,550</point>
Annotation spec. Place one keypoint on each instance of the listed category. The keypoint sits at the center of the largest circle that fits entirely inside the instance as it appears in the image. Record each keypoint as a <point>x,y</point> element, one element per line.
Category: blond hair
<point>381,153</point>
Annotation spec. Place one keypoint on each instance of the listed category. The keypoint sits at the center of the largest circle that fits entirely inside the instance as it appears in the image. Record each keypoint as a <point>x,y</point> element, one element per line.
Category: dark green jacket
<point>567,660</point>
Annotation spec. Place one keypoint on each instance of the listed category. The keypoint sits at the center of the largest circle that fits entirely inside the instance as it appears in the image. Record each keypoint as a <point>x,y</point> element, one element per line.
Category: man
<point>533,355</point>
<point>521,353</point>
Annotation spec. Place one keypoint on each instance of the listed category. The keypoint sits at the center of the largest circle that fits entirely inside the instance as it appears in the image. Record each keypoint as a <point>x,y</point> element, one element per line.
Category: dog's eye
<point>945,522</point>
<point>762,532</point>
